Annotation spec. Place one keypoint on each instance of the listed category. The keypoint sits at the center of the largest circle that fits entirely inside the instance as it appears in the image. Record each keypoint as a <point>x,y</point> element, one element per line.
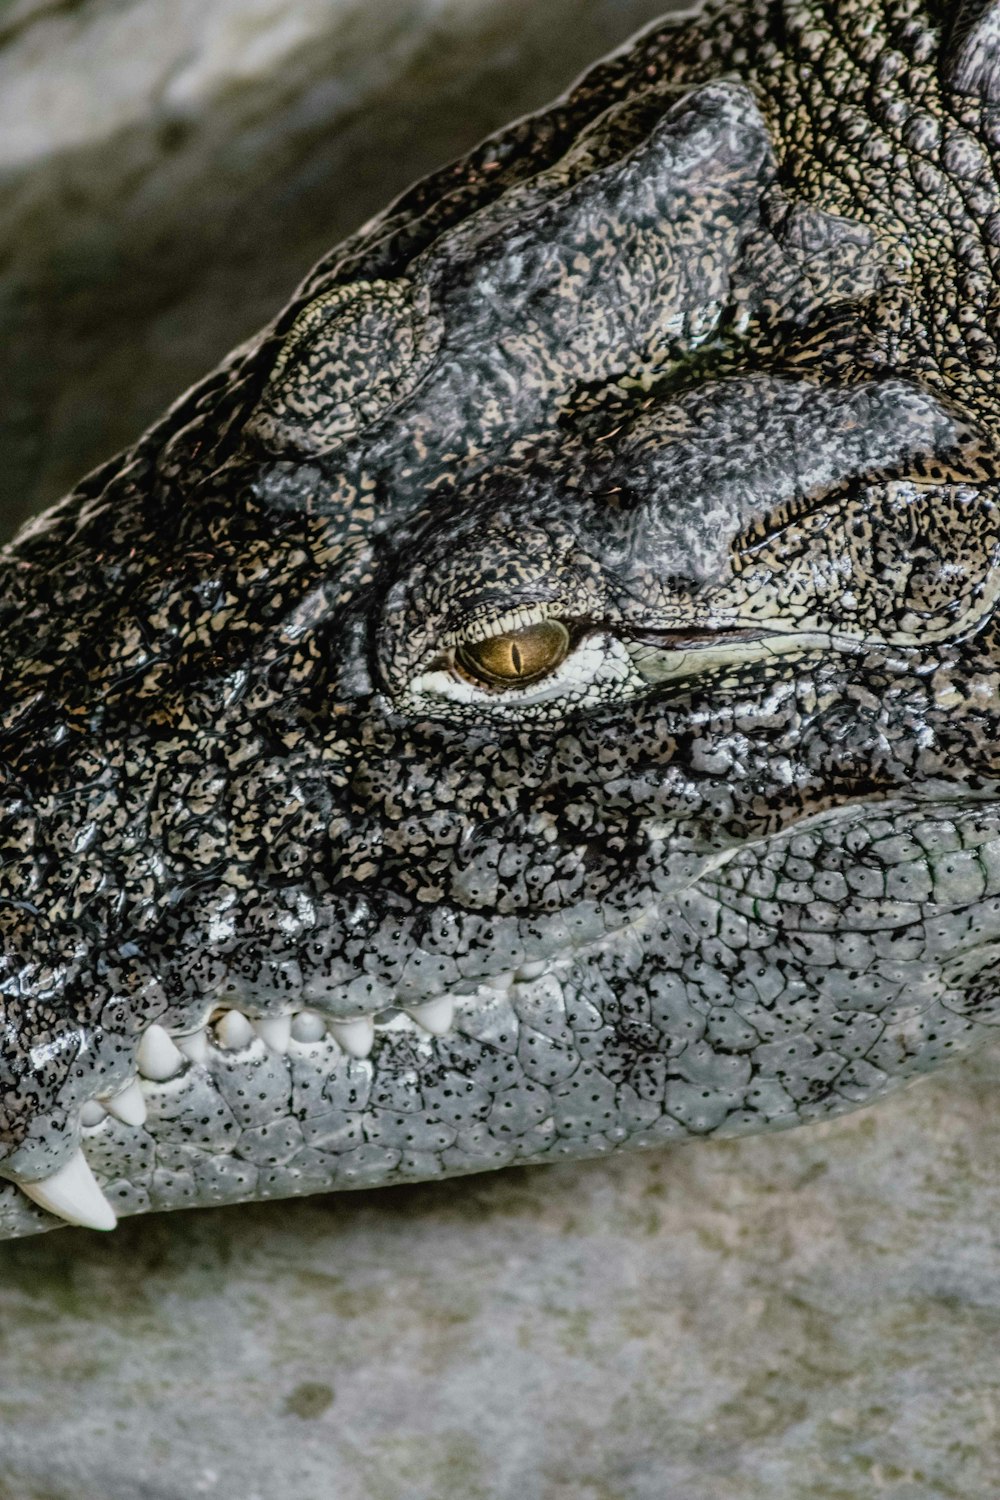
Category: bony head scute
<point>515,658</point>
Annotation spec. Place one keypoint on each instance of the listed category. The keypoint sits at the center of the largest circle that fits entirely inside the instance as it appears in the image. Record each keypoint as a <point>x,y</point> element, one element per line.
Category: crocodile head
<point>542,695</point>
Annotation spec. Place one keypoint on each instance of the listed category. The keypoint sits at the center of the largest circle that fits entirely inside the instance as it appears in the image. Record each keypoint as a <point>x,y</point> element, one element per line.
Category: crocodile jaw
<point>804,1009</point>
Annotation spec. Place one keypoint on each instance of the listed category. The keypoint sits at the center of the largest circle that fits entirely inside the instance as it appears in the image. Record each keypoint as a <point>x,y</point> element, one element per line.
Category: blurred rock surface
<point>169,169</point>
<point>806,1316</point>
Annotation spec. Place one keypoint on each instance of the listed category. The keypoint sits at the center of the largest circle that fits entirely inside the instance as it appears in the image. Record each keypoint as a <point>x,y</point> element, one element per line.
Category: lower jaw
<point>132,1138</point>
<point>181,1075</point>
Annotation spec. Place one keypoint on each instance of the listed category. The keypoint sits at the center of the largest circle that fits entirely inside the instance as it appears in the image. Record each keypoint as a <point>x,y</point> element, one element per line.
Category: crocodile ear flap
<point>351,355</point>
<point>970,61</point>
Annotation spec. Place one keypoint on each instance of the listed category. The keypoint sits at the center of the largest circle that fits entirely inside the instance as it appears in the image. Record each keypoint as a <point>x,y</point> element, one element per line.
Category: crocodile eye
<point>517,656</point>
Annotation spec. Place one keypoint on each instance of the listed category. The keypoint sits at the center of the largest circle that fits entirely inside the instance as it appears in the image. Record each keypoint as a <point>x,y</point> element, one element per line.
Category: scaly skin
<point>681,397</point>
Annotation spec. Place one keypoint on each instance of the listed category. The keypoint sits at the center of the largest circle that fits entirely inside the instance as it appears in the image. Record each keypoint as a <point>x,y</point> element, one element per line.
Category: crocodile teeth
<point>355,1036</point>
<point>533,970</point>
<point>308,1026</point>
<point>158,1058</point>
<point>436,1016</point>
<point>72,1193</point>
<point>129,1106</point>
<point>233,1030</point>
<point>275,1032</point>
<point>194,1045</point>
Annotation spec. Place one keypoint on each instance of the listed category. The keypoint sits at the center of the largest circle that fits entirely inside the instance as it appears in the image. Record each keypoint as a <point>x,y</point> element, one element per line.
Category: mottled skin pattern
<point>699,363</point>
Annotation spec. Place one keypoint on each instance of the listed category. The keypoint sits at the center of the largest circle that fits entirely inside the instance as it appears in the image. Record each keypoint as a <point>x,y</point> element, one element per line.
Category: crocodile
<point>540,696</point>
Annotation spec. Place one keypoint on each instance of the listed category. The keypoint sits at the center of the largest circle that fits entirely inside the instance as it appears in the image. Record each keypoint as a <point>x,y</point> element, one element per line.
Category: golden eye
<point>517,657</point>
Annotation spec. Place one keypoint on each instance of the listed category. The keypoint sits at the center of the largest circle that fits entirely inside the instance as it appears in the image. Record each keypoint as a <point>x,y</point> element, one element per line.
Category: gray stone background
<point>811,1316</point>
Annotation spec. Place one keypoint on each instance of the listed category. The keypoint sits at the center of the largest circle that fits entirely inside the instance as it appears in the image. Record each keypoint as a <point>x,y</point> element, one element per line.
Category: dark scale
<point>541,696</point>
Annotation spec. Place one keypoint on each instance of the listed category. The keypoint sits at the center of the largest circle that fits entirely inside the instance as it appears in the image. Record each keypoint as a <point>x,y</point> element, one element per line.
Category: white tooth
<point>157,1057</point>
<point>195,1045</point>
<point>275,1032</point>
<point>436,1016</point>
<point>355,1036</point>
<point>71,1193</point>
<point>234,1030</point>
<point>503,981</point>
<point>309,1026</point>
<point>129,1106</point>
<point>533,970</point>
<point>92,1113</point>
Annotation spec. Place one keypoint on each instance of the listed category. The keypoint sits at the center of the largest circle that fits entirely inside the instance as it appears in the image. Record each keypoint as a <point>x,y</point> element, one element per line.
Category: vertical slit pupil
<point>516,658</point>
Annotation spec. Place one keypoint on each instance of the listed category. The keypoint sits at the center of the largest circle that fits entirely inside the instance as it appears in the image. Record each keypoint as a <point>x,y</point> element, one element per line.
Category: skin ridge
<point>682,391</point>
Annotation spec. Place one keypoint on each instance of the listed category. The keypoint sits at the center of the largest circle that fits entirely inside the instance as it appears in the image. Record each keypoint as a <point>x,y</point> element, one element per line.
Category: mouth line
<point>231,1028</point>
<point>167,1060</point>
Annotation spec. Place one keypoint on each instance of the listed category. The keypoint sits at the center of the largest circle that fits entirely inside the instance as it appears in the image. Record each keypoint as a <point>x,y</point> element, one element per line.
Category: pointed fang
<point>355,1036</point>
<point>158,1058</point>
<point>275,1032</point>
<point>435,1017</point>
<point>72,1193</point>
<point>195,1045</point>
<point>129,1106</point>
<point>309,1026</point>
<point>234,1031</point>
